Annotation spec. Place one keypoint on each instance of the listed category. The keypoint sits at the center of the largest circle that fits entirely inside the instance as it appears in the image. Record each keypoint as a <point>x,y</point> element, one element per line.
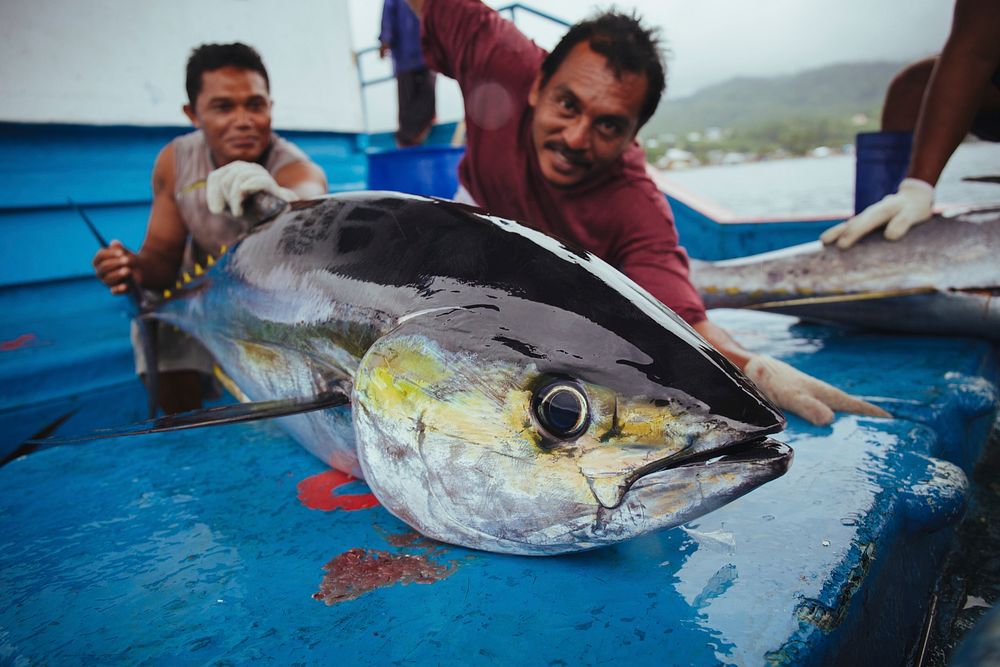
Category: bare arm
<point>156,264</point>
<point>956,88</point>
<point>304,178</point>
<point>790,389</point>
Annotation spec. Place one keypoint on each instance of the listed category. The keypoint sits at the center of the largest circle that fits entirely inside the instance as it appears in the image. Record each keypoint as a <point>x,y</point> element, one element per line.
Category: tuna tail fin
<point>224,414</point>
<point>147,329</point>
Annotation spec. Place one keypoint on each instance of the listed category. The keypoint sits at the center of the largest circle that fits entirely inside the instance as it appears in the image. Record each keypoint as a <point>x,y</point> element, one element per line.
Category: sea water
<point>812,186</point>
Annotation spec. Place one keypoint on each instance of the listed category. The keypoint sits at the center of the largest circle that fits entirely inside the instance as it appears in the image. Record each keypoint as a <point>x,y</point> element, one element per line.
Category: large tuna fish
<point>943,277</point>
<point>509,393</point>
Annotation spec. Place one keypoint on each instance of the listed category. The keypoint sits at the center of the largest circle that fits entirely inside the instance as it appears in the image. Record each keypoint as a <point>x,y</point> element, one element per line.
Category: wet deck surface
<point>205,546</point>
<point>970,583</point>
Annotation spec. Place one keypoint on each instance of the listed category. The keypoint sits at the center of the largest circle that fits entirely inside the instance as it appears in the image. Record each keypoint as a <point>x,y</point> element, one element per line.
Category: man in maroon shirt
<point>551,143</point>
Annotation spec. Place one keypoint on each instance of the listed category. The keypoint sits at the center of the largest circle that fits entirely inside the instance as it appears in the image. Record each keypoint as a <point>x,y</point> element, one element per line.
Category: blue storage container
<point>882,161</point>
<point>422,170</point>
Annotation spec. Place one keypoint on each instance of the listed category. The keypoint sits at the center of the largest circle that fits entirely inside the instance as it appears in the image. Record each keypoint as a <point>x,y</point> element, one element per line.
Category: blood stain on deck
<point>358,571</point>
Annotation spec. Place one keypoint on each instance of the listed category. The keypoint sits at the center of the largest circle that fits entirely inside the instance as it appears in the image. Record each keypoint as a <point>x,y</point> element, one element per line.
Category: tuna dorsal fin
<point>225,414</point>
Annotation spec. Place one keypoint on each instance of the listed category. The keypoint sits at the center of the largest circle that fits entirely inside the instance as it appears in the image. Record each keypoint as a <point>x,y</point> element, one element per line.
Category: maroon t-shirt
<point>620,216</point>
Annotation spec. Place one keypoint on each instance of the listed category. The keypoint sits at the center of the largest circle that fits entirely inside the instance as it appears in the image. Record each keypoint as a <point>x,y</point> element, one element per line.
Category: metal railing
<point>511,9</point>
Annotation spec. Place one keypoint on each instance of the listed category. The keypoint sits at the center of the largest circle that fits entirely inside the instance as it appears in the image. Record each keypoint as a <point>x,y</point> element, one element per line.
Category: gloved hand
<point>809,398</point>
<point>231,184</point>
<point>910,205</point>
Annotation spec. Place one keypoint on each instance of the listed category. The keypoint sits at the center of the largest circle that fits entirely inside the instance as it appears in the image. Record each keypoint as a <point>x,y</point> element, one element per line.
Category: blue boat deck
<point>205,545</point>
<point>231,544</point>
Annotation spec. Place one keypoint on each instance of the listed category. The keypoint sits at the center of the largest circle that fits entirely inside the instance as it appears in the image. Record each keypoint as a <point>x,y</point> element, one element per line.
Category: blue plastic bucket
<point>424,170</point>
<point>882,159</point>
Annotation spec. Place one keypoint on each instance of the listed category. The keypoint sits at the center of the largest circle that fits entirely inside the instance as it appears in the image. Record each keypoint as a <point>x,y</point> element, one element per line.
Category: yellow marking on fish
<point>641,426</point>
<point>261,355</point>
<point>438,401</point>
<point>187,277</point>
<point>167,294</point>
<point>732,290</point>
<point>711,289</point>
<point>209,261</point>
<point>222,250</point>
<point>229,385</point>
<point>448,399</point>
<point>198,270</point>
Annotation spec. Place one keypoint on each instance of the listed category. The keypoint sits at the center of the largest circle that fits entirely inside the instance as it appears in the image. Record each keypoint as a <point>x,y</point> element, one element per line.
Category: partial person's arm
<point>954,96</point>
<point>156,264</point>
<point>789,388</point>
<point>228,186</point>
<point>648,253</point>
<point>304,178</point>
<point>956,88</point>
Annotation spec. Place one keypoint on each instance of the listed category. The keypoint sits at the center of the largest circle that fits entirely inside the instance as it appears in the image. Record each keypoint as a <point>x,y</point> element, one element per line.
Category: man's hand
<point>383,49</point>
<point>911,205</point>
<point>809,398</point>
<point>228,186</point>
<point>115,264</point>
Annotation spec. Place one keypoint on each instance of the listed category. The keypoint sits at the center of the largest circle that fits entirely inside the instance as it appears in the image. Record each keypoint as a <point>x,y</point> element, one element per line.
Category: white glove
<point>910,205</point>
<point>231,184</point>
<point>809,398</point>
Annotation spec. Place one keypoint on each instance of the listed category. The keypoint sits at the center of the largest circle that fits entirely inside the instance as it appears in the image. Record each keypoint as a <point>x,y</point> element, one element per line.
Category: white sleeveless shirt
<point>193,162</point>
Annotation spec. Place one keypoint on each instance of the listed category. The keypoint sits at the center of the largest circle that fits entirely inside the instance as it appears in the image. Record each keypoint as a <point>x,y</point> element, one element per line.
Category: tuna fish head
<point>556,419</point>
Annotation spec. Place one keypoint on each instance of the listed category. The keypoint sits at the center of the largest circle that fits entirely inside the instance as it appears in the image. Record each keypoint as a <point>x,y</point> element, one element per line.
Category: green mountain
<point>745,103</point>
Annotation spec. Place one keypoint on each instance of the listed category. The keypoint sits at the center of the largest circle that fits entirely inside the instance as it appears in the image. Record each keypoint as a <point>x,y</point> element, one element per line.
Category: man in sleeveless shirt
<point>551,142</point>
<point>199,183</point>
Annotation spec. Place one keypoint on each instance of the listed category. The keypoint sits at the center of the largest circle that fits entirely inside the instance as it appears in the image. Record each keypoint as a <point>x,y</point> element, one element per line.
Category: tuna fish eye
<point>562,410</point>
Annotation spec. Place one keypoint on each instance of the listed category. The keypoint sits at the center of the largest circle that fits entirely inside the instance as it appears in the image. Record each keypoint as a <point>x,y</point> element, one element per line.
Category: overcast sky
<point>713,40</point>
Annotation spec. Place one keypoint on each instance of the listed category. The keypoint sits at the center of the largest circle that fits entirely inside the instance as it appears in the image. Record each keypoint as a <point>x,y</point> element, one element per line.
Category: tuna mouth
<point>756,450</point>
<point>756,453</point>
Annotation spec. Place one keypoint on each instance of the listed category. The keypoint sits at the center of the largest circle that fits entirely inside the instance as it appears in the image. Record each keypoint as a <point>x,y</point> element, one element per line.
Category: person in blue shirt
<point>400,36</point>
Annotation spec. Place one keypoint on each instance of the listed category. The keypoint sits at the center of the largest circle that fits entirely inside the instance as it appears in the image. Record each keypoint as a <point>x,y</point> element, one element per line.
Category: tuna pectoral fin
<point>226,414</point>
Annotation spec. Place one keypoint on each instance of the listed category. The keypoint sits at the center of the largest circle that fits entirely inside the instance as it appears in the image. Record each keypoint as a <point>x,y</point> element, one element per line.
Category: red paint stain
<point>317,493</point>
<point>16,343</point>
<point>358,571</point>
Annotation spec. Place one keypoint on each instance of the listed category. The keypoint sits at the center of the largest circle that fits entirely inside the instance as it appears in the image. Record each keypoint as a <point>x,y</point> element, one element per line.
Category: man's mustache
<point>572,155</point>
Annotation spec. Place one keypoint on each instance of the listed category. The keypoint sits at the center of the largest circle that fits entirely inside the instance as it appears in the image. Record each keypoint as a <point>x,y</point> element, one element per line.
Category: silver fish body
<point>942,278</point>
<point>508,392</point>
